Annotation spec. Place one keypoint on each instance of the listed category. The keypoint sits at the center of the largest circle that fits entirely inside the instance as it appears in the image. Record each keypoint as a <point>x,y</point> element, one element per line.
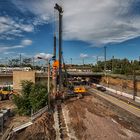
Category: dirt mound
<point>42,129</point>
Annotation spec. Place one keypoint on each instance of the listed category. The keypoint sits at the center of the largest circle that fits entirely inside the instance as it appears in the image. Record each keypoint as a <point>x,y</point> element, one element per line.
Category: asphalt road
<point>128,107</point>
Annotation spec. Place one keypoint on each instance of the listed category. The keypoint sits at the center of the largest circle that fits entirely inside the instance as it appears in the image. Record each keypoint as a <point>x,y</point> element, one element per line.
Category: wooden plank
<point>22,126</point>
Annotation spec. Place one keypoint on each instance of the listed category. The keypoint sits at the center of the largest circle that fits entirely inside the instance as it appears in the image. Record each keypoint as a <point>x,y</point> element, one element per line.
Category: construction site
<point>78,104</point>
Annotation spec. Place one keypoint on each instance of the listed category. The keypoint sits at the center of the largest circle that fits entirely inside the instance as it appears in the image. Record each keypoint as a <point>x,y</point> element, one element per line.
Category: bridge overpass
<point>7,78</point>
<point>84,74</point>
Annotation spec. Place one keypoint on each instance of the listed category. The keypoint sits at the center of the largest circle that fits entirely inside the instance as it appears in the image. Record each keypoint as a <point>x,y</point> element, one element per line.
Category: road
<point>130,108</point>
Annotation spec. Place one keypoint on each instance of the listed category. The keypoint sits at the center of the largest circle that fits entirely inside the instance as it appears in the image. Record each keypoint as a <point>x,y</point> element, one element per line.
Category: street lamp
<point>48,59</point>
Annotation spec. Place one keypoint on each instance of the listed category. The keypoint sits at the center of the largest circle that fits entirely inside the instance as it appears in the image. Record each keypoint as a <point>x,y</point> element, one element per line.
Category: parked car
<point>101,88</point>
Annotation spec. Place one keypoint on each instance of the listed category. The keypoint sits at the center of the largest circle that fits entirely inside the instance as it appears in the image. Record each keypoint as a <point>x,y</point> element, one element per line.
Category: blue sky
<point>27,28</point>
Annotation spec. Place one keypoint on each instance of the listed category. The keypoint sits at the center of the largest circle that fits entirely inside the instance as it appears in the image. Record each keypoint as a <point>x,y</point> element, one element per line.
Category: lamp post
<point>48,74</point>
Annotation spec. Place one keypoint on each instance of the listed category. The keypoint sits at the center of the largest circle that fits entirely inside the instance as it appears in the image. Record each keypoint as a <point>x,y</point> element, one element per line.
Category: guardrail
<point>137,99</point>
<point>34,116</point>
<point>39,113</point>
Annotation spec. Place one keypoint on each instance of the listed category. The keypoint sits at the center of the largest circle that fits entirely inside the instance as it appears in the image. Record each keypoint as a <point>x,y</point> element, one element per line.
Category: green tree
<point>27,61</point>
<point>119,66</point>
<point>38,96</point>
<point>14,62</point>
<point>32,97</point>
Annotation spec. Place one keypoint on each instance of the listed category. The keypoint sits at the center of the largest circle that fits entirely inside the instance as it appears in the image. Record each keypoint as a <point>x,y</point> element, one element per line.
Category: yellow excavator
<point>6,92</point>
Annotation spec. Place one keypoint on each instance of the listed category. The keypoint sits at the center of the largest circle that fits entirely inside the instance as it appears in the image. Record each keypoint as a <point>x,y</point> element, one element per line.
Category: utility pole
<point>20,59</point>
<point>112,63</point>
<point>83,62</point>
<point>33,63</point>
<point>134,84</point>
<point>105,65</point>
<point>71,61</point>
<point>59,8</point>
<point>105,60</point>
<point>97,61</point>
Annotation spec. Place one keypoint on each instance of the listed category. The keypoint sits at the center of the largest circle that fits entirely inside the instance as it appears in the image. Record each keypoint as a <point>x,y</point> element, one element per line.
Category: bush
<point>33,96</point>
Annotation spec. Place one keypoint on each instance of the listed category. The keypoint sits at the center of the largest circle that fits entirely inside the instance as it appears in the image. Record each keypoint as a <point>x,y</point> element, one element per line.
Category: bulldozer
<point>6,92</point>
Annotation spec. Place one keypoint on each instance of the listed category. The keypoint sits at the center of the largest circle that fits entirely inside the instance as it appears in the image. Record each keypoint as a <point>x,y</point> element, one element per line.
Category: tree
<point>27,61</point>
<point>118,66</point>
<point>32,97</point>
<point>14,62</point>
<point>38,96</point>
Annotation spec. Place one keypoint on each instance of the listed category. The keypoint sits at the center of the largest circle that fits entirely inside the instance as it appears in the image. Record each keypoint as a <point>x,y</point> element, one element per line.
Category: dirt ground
<point>42,129</point>
<point>94,119</point>
<point>14,120</point>
<point>90,118</point>
<point>7,104</point>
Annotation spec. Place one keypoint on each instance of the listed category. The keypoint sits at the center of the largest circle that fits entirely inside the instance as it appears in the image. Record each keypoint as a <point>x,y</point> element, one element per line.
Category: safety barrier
<point>137,99</point>
<point>39,113</point>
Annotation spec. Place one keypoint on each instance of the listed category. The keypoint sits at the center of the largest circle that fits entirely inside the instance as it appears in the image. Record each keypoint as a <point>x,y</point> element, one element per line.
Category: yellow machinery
<point>6,93</point>
<point>79,90</point>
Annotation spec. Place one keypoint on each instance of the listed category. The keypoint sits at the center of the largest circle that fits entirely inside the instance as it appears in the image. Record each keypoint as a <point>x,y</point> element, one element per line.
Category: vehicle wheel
<point>0,97</point>
<point>10,97</point>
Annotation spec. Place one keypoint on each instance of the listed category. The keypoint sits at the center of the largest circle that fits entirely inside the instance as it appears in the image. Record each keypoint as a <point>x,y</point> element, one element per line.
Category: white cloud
<point>99,21</point>
<point>84,55</point>
<point>9,28</point>
<point>27,28</point>
<point>7,53</point>
<point>43,56</point>
<point>26,42</point>
<point>94,21</point>
<point>5,23</point>
<point>43,9</point>
<point>5,48</point>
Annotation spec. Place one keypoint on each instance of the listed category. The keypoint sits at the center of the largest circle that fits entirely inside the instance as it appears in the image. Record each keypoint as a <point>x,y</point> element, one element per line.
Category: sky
<point>27,28</point>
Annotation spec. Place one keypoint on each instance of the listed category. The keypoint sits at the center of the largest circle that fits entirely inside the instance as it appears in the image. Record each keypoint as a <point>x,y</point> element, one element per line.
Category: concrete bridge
<point>84,74</point>
<point>16,77</point>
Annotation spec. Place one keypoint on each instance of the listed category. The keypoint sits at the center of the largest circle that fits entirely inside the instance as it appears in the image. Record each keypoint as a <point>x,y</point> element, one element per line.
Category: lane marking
<point>116,99</point>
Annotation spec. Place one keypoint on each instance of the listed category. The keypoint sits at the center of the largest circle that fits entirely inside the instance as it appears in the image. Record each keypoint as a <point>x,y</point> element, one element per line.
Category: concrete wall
<point>18,76</point>
<point>4,80</point>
